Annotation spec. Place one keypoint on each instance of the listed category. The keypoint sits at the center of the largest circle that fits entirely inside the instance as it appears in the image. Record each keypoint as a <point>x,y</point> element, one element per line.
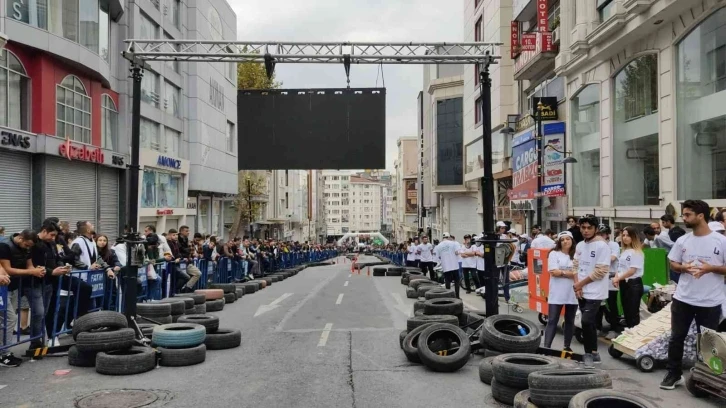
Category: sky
<point>362,21</point>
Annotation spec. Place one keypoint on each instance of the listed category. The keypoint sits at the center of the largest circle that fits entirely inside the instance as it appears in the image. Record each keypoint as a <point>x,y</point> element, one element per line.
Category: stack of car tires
<point>103,340</point>
<point>155,312</point>
<point>180,344</point>
<point>229,291</point>
<point>199,300</point>
<point>214,299</point>
<point>178,307</point>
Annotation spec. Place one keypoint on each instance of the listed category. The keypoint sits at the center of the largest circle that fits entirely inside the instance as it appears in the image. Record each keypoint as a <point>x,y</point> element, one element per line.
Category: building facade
<point>644,81</point>
<point>188,118</point>
<point>338,199</point>
<point>61,146</point>
<point>405,189</point>
<point>366,204</point>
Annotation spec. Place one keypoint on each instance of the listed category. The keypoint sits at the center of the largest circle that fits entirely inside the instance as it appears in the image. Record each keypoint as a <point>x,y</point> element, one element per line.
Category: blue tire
<point>179,335</point>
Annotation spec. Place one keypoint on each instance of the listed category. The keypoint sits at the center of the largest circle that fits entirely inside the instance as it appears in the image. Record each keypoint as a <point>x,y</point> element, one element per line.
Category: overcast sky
<point>355,20</point>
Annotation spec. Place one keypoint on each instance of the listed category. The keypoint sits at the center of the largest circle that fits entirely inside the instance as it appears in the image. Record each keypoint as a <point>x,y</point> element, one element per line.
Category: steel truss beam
<point>312,52</point>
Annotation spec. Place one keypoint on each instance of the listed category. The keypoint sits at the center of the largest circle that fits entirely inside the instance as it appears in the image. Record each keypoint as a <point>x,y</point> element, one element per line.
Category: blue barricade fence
<point>398,258</point>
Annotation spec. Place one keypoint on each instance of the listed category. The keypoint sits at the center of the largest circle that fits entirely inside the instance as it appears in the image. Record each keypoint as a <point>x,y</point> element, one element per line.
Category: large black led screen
<point>302,129</point>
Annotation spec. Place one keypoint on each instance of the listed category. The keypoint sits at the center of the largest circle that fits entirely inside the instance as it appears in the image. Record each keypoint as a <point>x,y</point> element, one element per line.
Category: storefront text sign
<point>549,107</point>
<point>529,42</point>
<point>553,142</point>
<point>524,175</point>
<point>514,37</point>
<point>542,12</point>
<point>14,140</point>
<point>81,152</point>
<point>167,211</point>
<point>164,161</point>
<point>547,43</point>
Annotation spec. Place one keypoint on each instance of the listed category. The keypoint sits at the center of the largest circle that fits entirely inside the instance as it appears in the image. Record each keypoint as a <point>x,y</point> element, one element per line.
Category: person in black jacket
<point>574,229</point>
<point>181,277</point>
<point>186,254</point>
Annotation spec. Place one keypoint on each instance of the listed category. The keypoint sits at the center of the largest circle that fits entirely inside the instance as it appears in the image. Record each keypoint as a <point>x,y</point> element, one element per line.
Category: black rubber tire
<point>175,318</point>
<point>99,320</point>
<point>250,287</point>
<point>646,363</point>
<point>492,353</point>
<point>509,340</point>
<point>475,320</point>
<point>417,321</point>
<point>280,276</point>
<point>210,323</point>
<point>135,360</point>
<point>188,302</point>
<point>394,272</point>
<point>503,393</point>
<point>404,281</point>
<point>156,319</point>
<point>440,293</point>
<point>485,370</point>
<point>178,305</point>
<point>226,287</point>
<point>239,292</point>
<point>198,298</point>
<point>215,305</point>
<point>151,309</point>
<point>190,311</point>
<point>268,281</point>
<point>230,298</point>
<point>379,271</point>
<point>557,387</point>
<point>411,293</point>
<point>410,343</point>
<point>422,289</point>
<point>200,309</point>
<point>147,329</point>
<point>418,312</point>
<point>415,283</point>
<point>448,363</point>
<point>692,387</point>
<point>542,318</point>
<point>106,340</point>
<point>418,305</point>
<point>401,337</point>
<point>414,272</point>
<point>182,357</point>
<point>223,339</point>
<point>273,278</point>
<point>608,398</point>
<point>521,400</point>
<point>614,353</point>
<point>79,358</point>
<point>444,306</point>
<point>179,335</point>
<point>513,369</point>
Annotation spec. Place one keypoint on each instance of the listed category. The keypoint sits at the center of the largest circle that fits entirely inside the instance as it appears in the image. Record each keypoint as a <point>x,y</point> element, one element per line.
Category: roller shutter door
<point>15,171</point>
<point>70,191</point>
<point>108,190</point>
<point>172,223</point>
<point>462,217</point>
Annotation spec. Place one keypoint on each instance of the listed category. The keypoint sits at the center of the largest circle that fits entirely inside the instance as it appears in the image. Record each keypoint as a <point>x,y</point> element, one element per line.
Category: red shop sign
<point>547,45</point>
<point>529,42</point>
<point>167,211</point>
<point>514,37</point>
<point>542,25</point>
<point>82,152</point>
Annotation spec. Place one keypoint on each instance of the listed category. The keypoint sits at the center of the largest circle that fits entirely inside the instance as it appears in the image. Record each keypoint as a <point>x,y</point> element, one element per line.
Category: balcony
<point>531,65</point>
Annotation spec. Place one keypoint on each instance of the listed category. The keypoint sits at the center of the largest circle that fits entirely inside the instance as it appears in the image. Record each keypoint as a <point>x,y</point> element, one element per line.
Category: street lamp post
<point>249,204</point>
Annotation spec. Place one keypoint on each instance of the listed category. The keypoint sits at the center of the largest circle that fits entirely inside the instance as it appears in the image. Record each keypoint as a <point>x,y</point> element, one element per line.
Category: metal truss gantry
<point>313,52</point>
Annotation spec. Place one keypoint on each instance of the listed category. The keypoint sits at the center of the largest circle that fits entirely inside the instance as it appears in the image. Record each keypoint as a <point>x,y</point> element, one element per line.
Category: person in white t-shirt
<point>468,264</point>
<point>561,295</point>
<point>592,262</point>
<point>700,258</point>
<point>479,256</point>
<point>630,276</point>
<point>425,252</point>
<point>411,254</point>
<point>448,252</point>
<point>611,311</point>
<point>544,241</point>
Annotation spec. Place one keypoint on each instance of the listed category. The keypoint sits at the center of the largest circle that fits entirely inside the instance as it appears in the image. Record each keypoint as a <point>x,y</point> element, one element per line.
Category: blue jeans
<point>38,296</point>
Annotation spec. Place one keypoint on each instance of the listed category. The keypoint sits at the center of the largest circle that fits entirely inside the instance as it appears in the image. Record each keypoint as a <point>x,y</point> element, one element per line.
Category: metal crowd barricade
<point>7,339</point>
<point>4,314</point>
<point>64,298</point>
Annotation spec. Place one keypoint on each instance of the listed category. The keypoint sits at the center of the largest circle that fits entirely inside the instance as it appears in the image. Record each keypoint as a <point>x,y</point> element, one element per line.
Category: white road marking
<point>350,275</point>
<point>275,304</point>
<point>400,305</point>
<point>324,335</point>
<point>2,386</point>
<point>470,307</point>
<point>307,298</point>
<point>340,299</point>
<point>346,283</point>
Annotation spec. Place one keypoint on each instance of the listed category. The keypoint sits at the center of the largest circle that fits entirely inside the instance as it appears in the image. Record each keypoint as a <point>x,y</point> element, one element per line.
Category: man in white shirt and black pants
<point>448,253</point>
<point>592,263</point>
<point>411,255</point>
<point>700,259</point>
<point>426,257</point>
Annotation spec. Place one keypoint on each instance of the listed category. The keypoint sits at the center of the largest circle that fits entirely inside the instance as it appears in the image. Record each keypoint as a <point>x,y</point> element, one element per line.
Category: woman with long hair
<point>561,295</point>
<point>630,276</point>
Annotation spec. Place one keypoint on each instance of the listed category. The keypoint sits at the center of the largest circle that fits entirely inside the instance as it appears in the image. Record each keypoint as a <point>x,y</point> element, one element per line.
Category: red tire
<point>211,294</point>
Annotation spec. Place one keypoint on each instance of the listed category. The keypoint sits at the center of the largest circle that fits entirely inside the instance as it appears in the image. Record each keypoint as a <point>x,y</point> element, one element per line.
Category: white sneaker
<point>54,342</point>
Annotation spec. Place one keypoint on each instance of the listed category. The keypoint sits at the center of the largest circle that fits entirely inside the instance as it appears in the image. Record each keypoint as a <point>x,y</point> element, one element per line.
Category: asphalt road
<point>329,339</point>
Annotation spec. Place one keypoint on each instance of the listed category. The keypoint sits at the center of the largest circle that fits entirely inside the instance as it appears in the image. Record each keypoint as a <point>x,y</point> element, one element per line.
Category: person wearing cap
<point>426,254</point>
<point>448,252</point>
<point>561,295</point>
<point>512,234</point>
<point>592,263</point>
<point>629,278</point>
<point>502,229</point>
<point>468,263</point>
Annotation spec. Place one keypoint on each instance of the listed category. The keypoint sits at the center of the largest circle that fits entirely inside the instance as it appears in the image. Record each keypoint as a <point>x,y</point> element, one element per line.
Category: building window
<point>109,124</point>
<point>172,139</point>
<point>73,110</point>
<point>701,119</point>
<point>605,9</point>
<point>585,131</point>
<point>172,65</point>
<point>150,89</point>
<point>231,138</point>
<point>149,135</point>
<point>89,15</point>
<point>171,11</point>
<point>161,190</point>
<point>477,112</point>
<point>477,30</point>
<point>172,98</point>
<point>635,134</point>
<point>33,13</point>
<point>147,28</point>
<point>449,142</point>
<point>13,92</point>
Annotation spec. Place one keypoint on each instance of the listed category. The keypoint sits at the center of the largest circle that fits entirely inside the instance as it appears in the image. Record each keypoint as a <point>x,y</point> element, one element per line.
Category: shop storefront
<point>16,148</point>
<point>163,187</point>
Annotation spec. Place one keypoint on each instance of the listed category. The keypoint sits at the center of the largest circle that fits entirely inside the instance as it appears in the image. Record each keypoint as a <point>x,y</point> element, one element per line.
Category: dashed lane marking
<point>324,335</point>
<point>346,283</point>
<point>340,299</point>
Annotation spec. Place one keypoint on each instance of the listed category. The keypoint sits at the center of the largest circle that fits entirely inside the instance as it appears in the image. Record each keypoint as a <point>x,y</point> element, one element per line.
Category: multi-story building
<point>318,202</point>
<point>645,90</point>
<point>62,150</point>
<point>338,200</point>
<point>365,204</point>
<point>405,189</point>
<point>188,118</point>
<point>448,201</point>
